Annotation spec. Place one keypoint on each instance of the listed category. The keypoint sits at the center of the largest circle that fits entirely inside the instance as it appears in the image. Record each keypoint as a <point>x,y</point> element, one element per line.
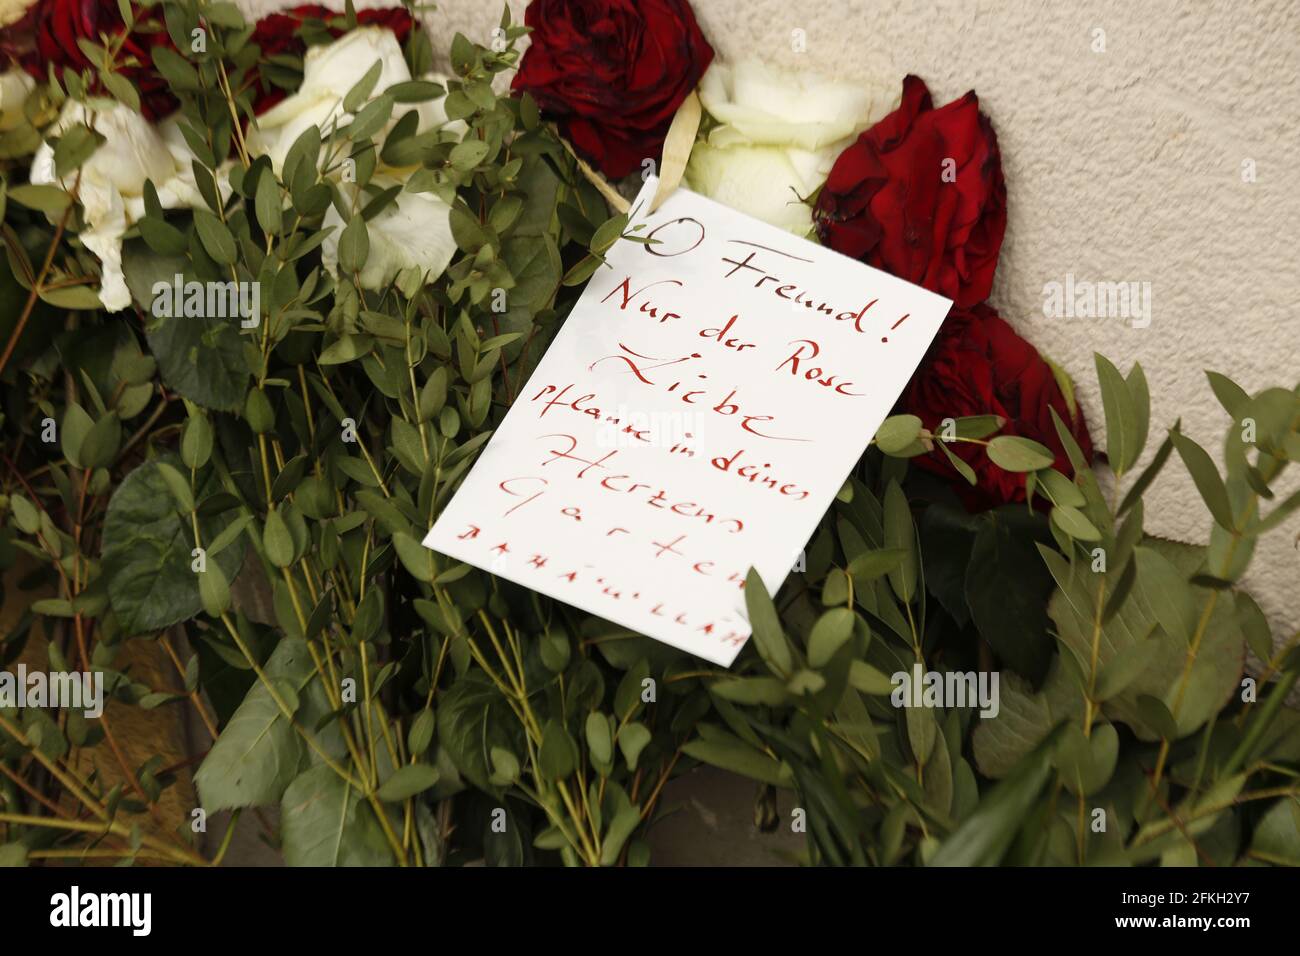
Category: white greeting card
<point>695,416</point>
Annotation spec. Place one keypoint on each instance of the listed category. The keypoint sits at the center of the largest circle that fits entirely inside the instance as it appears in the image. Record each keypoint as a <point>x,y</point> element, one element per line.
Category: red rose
<point>921,195</point>
<point>57,25</point>
<point>281,35</point>
<point>612,73</point>
<point>978,365</point>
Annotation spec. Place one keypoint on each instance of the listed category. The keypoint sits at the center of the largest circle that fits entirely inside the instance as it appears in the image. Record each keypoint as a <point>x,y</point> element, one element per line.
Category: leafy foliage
<point>258,495</point>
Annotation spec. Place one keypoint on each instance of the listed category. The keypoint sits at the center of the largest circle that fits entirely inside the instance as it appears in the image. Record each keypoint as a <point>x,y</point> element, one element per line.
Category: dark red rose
<point>978,365</point>
<point>612,73</point>
<point>57,25</point>
<point>283,34</point>
<point>921,195</point>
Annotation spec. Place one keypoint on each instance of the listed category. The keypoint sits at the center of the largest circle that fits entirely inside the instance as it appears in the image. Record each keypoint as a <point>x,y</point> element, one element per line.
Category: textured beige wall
<point>1123,165</point>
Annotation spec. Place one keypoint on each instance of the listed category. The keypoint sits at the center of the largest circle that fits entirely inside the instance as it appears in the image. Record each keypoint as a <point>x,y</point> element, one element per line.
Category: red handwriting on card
<point>730,342</point>
<point>644,366</point>
<point>801,366</point>
<point>608,479</point>
<point>647,307</point>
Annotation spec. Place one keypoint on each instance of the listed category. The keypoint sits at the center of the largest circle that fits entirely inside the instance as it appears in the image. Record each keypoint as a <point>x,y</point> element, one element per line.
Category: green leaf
<point>624,817</point>
<point>415,557</point>
<point>1061,490</point>
<point>472,719</point>
<point>1207,479</point>
<point>362,88</point>
<point>1140,392</point>
<point>536,266</point>
<point>146,553</point>
<point>1276,838</point>
<point>370,119</point>
<point>325,822</point>
<point>196,441</point>
<point>829,634</point>
<point>1121,416</point>
<point>277,540</point>
<point>214,590</point>
<point>267,202</point>
<point>768,636</point>
<point>1128,664</point>
<point>76,425</point>
<point>1149,473</point>
<point>43,198</point>
<point>1156,716</point>
<point>201,357</point>
<point>1231,396</point>
<point>751,690</point>
<point>632,739</point>
<point>178,485</point>
<point>872,564</point>
<point>730,753</point>
<point>258,754</point>
<point>468,154</point>
<point>963,469</point>
<point>1016,453</point>
<point>121,88</point>
<point>421,733</point>
<point>505,767</point>
<point>1212,674</point>
<point>600,742</point>
<point>922,730</point>
<point>354,245</point>
<point>1075,523</point>
<point>72,298</point>
<point>558,755</point>
<point>26,517</point>
<point>900,535</point>
<point>1087,763</point>
<point>1259,637</point>
<point>978,426</point>
<point>869,680</point>
<point>985,836</point>
<point>216,238</point>
<point>407,781</point>
<point>1168,594</point>
<point>897,432</point>
<point>101,442</point>
<point>75,145</point>
<point>1024,720</point>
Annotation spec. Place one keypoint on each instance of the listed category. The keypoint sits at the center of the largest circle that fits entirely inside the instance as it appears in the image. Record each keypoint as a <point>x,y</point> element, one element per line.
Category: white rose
<point>413,230</point>
<point>329,72</point>
<point>14,87</point>
<point>779,133</point>
<point>111,190</point>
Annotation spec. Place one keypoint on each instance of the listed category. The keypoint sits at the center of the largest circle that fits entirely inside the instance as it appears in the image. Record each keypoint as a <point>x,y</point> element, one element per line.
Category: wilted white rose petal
<point>778,135</point>
<point>760,181</point>
<point>329,72</point>
<point>111,190</point>
<point>14,87</point>
<point>767,106</point>
<point>414,230</point>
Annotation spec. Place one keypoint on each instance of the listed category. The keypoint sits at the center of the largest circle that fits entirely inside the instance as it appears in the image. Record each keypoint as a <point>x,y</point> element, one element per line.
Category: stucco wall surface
<point>1129,133</point>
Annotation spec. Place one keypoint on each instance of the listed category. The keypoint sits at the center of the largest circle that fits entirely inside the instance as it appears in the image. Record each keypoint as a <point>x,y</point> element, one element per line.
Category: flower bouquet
<point>269,287</point>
